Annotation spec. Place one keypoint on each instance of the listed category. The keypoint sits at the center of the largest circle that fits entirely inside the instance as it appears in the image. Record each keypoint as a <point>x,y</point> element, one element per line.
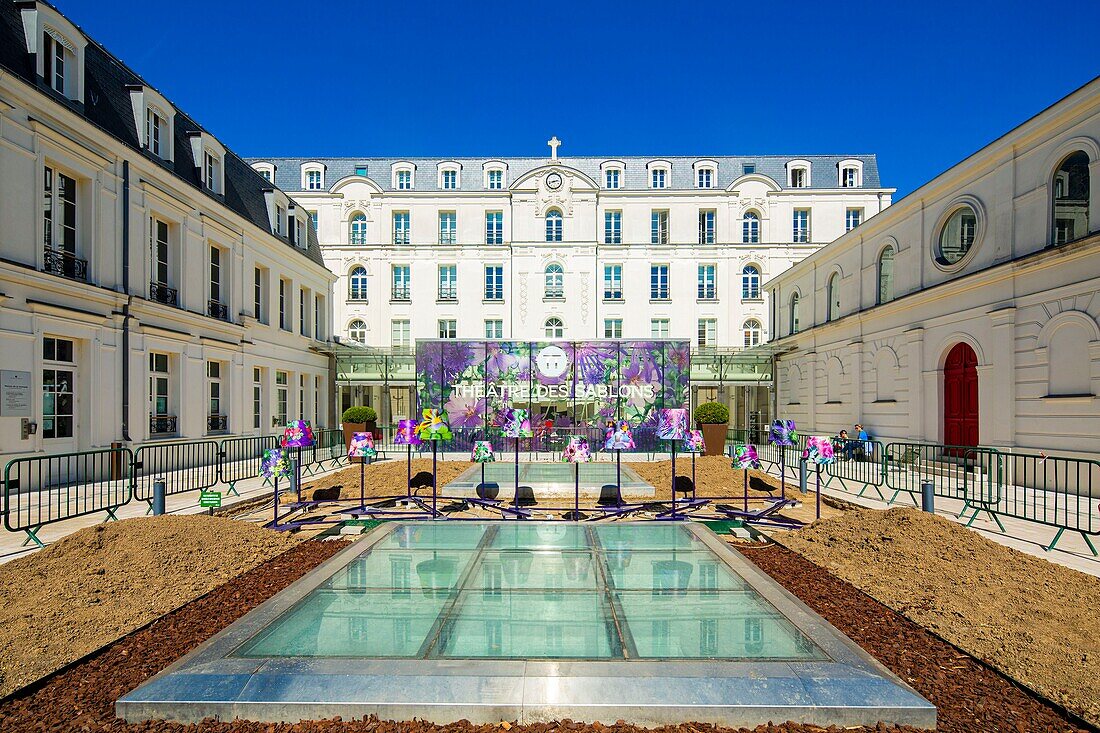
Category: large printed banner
<point>568,382</point>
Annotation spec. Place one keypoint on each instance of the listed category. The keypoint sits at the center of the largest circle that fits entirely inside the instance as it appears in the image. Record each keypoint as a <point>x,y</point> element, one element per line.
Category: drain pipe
<point>129,299</point>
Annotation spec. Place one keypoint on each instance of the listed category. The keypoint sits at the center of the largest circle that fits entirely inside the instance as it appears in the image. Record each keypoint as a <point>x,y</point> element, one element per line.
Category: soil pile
<point>385,478</point>
<point>713,477</point>
<point>102,582</point>
<point>1031,619</point>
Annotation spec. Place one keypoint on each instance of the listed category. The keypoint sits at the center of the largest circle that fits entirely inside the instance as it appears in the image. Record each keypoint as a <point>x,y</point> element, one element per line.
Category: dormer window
<point>300,233</point>
<point>612,178</point>
<point>798,174</point>
<point>496,180</point>
<point>267,170</point>
<point>313,180</point>
<point>58,47</point>
<point>850,173</point>
<point>155,131</point>
<point>211,171</point>
<point>450,179</point>
<point>361,170</point>
<point>209,157</point>
<point>705,173</point>
<point>658,178</point>
<point>280,219</point>
<point>448,176</point>
<point>313,177</point>
<point>403,176</point>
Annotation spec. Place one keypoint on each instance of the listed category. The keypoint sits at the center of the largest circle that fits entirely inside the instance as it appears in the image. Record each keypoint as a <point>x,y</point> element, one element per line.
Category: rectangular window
<point>494,282</point>
<point>300,233</point>
<point>404,180</point>
<point>257,398</point>
<point>658,178</point>
<point>612,282</point>
<point>852,219</point>
<point>708,282</point>
<point>259,312</point>
<point>159,246</point>
<point>448,329</point>
<point>613,328</point>
<point>613,227</point>
<point>210,171</point>
<point>658,328</point>
<point>801,232</point>
<point>448,282</point>
<point>59,217</point>
<point>848,178</point>
<point>53,63</point>
<point>399,334</point>
<point>316,400</point>
<point>658,282</point>
<point>708,332</point>
<point>313,219</point>
<point>313,180</point>
<point>747,168</point>
<point>159,389</point>
<point>704,178</point>
<point>303,311</point>
<point>611,178</point>
<point>154,132</point>
<point>302,395</point>
<point>284,315</point>
<point>318,324</point>
<point>282,397</point>
<point>798,178</point>
<point>496,180</point>
<point>214,307</point>
<point>706,226</point>
<point>401,227</point>
<point>280,220</point>
<point>450,179</point>
<point>494,225</point>
<point>448,227</point>
<point>401,283</point>
<point>214,395</point>
<point>494,329</point>
<point>58,399</point>
<point>360,170</point>
<point>659,226</point>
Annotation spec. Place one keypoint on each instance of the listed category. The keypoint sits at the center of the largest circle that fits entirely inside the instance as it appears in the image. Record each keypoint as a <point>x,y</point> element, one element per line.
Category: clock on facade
<point>553,181</point>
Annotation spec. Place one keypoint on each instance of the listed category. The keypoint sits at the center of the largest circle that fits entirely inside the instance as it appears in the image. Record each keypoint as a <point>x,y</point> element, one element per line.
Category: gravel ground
<point>1033,620</point>
<point>102,582</point>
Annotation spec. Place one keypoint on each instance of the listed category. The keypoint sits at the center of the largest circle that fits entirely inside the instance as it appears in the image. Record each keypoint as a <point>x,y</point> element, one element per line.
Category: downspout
<point>129,298</point>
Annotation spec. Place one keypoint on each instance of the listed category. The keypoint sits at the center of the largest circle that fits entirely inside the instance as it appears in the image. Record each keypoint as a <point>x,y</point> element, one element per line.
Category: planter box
<point>715,438</point>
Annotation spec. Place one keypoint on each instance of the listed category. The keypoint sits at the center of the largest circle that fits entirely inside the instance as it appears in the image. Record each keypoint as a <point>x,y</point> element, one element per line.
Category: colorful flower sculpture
<point>577,450</point>
<point>517,423</point>
<point>783,433</point>
<point>434,426</point>
<point>693,443</point>
<point>618,436</point>
<point>275,464</point>
<point>298,434</point>
<point>362,446</point>
<point>482,452</point>
<point>744,456</point>
<point>406,433</point>
<point>819,450</point>
<point>672,424</point>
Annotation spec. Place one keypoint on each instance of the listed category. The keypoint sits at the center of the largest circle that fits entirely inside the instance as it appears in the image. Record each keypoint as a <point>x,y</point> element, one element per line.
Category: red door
<point>960,396</point>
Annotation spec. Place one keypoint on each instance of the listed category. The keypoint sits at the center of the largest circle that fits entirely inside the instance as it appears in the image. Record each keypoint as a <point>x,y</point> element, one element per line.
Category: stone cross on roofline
<point>553,143</point>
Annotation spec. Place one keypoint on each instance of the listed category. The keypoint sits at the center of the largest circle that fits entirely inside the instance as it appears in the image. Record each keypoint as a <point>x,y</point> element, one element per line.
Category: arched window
<point>1070,199</point>
<point>359,229</point>
<point>750,227</point>
<point>357,331</point>
<point>886,275</point>
<point>750,282</point>
<point>555,281</point>
<point>752,331</point>
<point>357,283</point>
<point>957,235</point>
<point>832,296</point>
<point>555,329</point>
<point>794,314</point>
<point>553,225</point>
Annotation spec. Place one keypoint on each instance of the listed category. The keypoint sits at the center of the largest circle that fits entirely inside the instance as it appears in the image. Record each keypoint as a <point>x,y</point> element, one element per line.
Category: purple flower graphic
<point>465,412</point>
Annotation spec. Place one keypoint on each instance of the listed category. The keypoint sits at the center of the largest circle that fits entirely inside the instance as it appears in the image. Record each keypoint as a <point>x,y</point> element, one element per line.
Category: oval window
<point>957,235</point>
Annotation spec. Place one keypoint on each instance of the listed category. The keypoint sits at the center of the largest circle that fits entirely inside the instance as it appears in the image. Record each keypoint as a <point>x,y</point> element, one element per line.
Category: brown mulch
<point>100,583</point>
<point>969,696</point>
<point>1035,621</point>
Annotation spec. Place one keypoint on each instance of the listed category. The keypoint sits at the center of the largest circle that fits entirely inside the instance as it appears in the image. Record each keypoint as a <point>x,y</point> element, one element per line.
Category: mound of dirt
<point>1031,619</point>
<point>102,582</point>
<point>385,478</point>
<point>713,477</point>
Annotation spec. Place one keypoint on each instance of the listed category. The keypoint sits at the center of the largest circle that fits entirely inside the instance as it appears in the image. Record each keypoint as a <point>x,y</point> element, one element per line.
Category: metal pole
<point>516,498</point>
<point>576,492</point>
<point>783,472</point>
<point>275,505</point>
<point>746,489</point>
<point>818,516</point>
<point>674,478</point>
<point>298,474</point>
<point>362,496</point>
<point>619,472</point>
<point>409,472</point>
<point>158,497</point>
<point>434,481</point>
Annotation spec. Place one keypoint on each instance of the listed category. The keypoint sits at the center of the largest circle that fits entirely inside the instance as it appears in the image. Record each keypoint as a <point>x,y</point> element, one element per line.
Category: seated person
<point>865,438</point>
<point>845,445</point>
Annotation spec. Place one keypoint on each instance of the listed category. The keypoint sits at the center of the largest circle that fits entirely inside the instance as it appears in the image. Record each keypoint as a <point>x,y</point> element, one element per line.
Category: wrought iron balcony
<point>401,236</point>
<point>217,423</point>
<point>161,293</point>
<point>217,309</point>
<point>65,264</point>
<point>162,424</point>
<point>449,293</point>
<point>400,294</point>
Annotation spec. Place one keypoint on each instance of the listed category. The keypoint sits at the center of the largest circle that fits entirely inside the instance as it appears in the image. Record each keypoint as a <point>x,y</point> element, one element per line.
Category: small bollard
<point>158,497</point>
<point>803,476</point>
<point>928,497</point>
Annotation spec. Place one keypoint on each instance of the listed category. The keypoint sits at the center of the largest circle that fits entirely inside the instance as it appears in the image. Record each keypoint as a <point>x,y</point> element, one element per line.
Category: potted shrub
<point>713,419</point>
<point>358,420</point>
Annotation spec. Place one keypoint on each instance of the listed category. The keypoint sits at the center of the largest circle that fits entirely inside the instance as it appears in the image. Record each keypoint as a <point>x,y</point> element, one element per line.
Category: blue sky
<point>921,85</point>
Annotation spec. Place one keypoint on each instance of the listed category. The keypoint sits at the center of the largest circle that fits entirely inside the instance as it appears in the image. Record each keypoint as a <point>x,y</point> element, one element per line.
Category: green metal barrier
<point>971,474</point>
<point>854,462</point>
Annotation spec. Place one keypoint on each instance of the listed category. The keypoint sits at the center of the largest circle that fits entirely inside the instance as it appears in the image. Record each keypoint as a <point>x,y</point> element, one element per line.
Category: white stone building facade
<point>152,285</point>
<point>567,247</point>
<point>968,312</point>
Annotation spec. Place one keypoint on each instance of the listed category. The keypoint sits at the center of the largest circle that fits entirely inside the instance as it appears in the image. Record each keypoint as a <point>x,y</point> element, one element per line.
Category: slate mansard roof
<point>107,105</point>
<point>824,171</point>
